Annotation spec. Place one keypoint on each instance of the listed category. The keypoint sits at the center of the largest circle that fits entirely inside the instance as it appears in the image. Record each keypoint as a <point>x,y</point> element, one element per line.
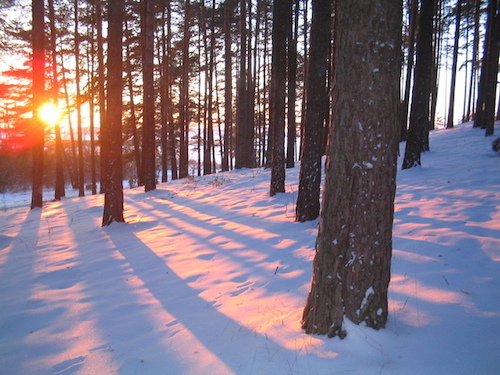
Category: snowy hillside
<point>210,277</point>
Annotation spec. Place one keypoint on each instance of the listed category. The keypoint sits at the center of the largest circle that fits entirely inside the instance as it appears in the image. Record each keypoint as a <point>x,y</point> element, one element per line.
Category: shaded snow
<point>210,277</point>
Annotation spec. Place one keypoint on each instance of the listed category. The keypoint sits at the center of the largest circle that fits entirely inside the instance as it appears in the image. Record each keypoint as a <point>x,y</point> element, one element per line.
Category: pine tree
<point>351,269</point>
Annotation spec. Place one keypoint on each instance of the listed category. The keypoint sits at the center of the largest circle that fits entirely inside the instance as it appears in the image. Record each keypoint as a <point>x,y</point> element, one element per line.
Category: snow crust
<point>211,276</point>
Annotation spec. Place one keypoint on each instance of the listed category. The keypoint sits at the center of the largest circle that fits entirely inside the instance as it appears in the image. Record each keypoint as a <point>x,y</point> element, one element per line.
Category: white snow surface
<point>210,277</point>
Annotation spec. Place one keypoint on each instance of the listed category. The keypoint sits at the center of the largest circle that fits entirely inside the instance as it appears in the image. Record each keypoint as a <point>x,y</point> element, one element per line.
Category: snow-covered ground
<point>210,277</point>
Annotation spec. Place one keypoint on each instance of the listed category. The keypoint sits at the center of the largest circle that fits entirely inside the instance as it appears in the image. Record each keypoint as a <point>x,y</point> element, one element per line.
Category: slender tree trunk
<point>81,164</point>
<point>112,129</point>
<point>451,107</point>
<point>59,190</point>
<point>473,70</point>
<point>184,96</point>
<point>292,88</point>
<point>419,114</point>
<point>351,269</point>
<point>485,108</point>
<point>312,142</point>
<point>148,120</point>
<point>72,162</point>
<point>38,97</point>
<point>409,68</point>
<point>91,94</point>
<point>244,130</point>
<point>102,83</point>
<point>133,119</point>
<point>228,84</point>
<point>281,30</point>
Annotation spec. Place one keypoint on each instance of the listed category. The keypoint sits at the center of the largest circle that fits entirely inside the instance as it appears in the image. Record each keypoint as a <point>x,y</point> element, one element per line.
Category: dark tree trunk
<point>315,113</point>
<point>38,97</point>
<point>281,30</point>
<point>351,269</point>
<point>244,147</point>
<point>451,107</point>
<point>228,84</point>
<point>409,68</point>
<point>474,64</point>
<point>59,190</point>
<point>485,108</point>
<point>292,87</point>
<point>101,84</point>
<point>112,129</point>
<point>81,164</point>
<point>419,113</point>
<point>148,120</point>
<point>184,96</point>
<point>133,119</point>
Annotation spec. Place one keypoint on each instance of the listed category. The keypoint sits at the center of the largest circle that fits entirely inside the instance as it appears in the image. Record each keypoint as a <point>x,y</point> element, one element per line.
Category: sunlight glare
<point>49,113</point>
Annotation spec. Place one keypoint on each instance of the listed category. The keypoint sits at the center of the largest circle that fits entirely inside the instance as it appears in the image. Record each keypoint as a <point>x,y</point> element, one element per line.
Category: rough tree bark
<point>419,113</point>
<point>351,269</point>
<point>281,26</point>
<point>38,96</point>
<point>112,128</point>
<point>315,112</point>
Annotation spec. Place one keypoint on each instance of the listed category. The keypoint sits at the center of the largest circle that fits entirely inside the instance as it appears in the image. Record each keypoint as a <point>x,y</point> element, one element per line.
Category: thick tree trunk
<point>112,128</point>
<point>351,269</point>
<point>38,97</point>
<point>315,113</point>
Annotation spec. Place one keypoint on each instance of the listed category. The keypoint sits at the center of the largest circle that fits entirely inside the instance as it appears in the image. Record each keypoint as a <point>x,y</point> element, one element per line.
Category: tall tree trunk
<point>409,68</point>
<point>228,84</point>
<point>419,113</point>
<point>351,269</point>
<point>315,112</point>
<point>148,119</point>
<point>102,83</point>
<point>38,37</point>
<point>81,165</point>
<point>474,65</point>
<point>244,156</point>
<point>184,96</point>
<point>72,162</point>
<point>112,129</point>
<point>292,87</point>
<point>451,106</point>
<point>133,118</point>
<point>281,30</point>
<point>485,108</point>
<point>59,190</point>
<point>93,177</point>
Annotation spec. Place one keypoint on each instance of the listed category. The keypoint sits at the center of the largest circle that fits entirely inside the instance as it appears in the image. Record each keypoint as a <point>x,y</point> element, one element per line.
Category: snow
<point>210,277</point>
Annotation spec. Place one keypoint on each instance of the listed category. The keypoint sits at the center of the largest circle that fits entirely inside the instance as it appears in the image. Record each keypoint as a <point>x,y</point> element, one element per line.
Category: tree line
<point>238,84</point>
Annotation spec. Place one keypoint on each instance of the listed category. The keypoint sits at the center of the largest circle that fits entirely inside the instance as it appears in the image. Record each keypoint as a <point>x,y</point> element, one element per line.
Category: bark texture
<point>351,269</point>
<point>112,128</point>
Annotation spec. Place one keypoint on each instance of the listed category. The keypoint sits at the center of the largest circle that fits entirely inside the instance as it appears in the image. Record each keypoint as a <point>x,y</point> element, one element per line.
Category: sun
<point>49,113</point>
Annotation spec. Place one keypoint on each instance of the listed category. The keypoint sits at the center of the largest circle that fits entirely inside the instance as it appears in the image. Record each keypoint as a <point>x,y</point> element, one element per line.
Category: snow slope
<point>209,276</point>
